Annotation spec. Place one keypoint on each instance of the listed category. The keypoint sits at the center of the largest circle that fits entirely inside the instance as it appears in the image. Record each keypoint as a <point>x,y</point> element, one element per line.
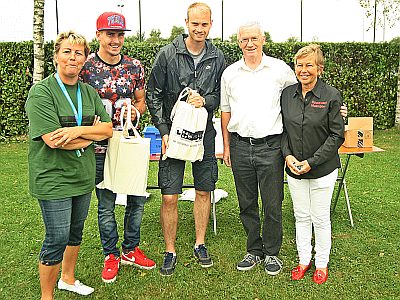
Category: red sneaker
<point>298,272</point>
<point>320,277</point>
<point>110,270</point>
<point>138,259</point>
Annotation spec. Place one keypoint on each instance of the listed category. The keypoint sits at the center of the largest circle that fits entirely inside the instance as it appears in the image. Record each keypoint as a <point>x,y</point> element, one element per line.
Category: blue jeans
<point>106,216</point>
<point>63,220</point>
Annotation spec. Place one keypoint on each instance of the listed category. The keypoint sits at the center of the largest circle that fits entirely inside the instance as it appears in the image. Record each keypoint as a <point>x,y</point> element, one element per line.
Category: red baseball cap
<point>111,21</point>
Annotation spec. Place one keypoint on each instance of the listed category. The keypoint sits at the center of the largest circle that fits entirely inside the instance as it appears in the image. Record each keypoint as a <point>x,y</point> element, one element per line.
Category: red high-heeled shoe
<point>298,272</point>
<point>320,277</point>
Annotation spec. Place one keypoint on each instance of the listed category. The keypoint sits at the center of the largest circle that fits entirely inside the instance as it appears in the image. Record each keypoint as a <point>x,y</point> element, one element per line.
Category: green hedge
<point>365,73</point>
<point>15,63</point>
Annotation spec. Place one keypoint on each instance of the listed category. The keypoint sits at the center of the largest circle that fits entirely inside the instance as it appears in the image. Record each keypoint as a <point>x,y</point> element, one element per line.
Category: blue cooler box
<point>155,139</point>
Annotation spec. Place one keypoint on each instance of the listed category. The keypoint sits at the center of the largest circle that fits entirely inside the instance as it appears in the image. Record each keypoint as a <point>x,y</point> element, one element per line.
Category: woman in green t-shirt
<point>65,117</point>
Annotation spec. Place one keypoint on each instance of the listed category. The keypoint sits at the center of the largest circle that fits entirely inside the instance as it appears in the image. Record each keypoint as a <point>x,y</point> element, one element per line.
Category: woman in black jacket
<point>313,133</point>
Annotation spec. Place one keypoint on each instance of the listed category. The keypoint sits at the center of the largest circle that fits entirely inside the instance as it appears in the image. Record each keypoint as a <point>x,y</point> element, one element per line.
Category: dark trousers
<point>259,168</point>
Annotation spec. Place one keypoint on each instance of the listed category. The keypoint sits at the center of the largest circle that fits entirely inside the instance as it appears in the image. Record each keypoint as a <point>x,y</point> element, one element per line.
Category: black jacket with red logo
<point>313,128</point>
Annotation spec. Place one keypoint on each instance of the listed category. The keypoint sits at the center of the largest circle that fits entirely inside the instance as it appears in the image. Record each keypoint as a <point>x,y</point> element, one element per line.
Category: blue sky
<point>323,20</point>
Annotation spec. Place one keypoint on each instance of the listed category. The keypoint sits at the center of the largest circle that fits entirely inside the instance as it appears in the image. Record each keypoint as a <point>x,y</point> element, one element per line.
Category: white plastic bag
<point>127,160</point>
<point>187,132</point>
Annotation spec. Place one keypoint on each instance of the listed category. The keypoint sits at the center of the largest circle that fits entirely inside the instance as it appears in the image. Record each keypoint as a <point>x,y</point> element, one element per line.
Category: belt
<point>100,150</point>
<point>254,141</point>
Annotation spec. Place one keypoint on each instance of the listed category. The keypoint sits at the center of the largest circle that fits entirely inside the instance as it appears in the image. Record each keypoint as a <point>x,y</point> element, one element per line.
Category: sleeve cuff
<point>163,129</point>
<point>312,162</point>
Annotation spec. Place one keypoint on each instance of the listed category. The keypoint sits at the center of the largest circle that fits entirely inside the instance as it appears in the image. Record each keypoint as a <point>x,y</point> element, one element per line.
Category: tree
<point>38,40</point>
<point>176,31</point>
<point>217,40</point>
<point>396,40</point>
<point>382,13</point>
<point>135,38</point>
<point>268,38</point>
<point>292,39</point>
<point>155,36</point>
<point>233,38</point>
<point>389,12</point>
<point>315,39</point>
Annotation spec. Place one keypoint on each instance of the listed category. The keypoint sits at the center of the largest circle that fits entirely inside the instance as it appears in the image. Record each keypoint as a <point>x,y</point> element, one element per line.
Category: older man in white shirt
<point>251,123</point>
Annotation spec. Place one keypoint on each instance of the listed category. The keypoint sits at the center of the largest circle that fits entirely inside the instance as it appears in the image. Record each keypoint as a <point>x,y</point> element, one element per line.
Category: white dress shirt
<point>253,96</point>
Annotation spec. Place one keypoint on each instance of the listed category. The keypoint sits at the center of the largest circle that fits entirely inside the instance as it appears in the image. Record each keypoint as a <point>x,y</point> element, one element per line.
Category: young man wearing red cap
<point>118,79</point>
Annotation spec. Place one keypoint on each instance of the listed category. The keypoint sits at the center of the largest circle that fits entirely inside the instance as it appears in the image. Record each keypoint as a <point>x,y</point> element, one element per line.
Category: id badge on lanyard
<point>77,113</point>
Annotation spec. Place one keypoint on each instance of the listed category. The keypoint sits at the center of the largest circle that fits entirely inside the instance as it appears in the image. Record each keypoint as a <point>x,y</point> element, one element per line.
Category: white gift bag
<point>127,160</point>
<point>187,132</point>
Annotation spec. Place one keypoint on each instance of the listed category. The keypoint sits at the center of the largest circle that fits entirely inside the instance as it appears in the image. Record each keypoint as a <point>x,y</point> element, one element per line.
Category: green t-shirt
<point>57,173</point>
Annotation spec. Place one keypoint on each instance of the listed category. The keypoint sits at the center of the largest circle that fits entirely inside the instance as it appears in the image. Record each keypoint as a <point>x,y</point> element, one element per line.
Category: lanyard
<point>77,114</point>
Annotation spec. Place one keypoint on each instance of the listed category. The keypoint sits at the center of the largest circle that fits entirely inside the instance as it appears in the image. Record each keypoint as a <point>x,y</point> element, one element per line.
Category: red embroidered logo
<point>318,104</point>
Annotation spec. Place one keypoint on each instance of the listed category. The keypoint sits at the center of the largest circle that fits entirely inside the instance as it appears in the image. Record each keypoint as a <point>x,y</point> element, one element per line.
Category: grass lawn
<point>364,260</point>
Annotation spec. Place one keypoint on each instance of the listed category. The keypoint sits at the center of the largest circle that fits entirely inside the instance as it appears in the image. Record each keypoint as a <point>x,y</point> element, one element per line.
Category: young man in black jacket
<point>189,61</point>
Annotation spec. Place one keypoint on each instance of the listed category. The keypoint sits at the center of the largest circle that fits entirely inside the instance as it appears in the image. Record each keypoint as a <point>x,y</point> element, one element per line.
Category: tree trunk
<point>397,118</point>
<point>38,40</point>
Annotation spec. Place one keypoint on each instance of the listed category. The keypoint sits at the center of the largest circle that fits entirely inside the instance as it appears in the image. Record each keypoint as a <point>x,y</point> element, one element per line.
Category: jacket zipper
<point>195,73</point>
<point>195,70</point>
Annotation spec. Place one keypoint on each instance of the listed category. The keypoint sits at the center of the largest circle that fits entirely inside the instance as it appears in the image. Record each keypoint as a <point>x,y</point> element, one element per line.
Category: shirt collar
<point>263,64</point>
<point>317,90</point>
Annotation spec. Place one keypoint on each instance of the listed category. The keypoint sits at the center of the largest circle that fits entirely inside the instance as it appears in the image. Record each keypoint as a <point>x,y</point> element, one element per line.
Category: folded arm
<point>70,138</point>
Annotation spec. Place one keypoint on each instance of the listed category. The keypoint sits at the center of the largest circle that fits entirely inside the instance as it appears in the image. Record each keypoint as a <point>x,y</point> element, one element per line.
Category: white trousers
<point>311,205</point>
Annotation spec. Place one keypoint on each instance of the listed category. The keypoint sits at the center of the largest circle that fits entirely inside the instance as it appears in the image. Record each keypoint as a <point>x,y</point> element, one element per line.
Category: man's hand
<point>195,99</point>
<point>227,157</point>
<point>133,113</point>
<point>164,143</point>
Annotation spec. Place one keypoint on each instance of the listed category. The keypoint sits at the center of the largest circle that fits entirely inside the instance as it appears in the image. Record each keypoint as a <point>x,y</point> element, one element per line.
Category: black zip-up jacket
<point>313,128</point>
<point>173,70</point>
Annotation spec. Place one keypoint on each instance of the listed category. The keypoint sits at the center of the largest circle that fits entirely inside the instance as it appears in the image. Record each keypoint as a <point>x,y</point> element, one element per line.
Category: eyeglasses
<point>245,41</point>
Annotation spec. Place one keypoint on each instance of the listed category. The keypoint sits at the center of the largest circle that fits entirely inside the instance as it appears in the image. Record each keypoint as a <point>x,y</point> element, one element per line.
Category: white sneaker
<point>77,287</point>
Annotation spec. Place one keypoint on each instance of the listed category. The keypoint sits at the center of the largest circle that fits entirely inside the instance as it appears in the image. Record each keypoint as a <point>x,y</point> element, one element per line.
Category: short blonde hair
<point>73,38</point>
<point>312,49</point>
<point>199,5</point>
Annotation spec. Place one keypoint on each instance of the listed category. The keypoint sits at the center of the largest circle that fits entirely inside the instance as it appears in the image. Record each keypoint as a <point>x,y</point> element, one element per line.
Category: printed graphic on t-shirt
<point>114,83</point>
<point>114,110</point>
